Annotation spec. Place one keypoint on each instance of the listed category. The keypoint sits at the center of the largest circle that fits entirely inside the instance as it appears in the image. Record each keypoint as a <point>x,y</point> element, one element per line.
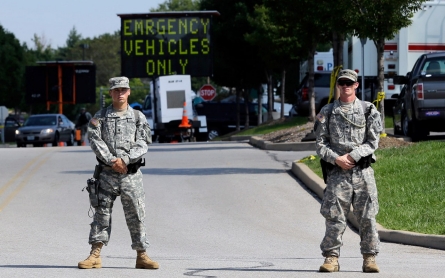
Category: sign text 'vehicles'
<point>164,46</point>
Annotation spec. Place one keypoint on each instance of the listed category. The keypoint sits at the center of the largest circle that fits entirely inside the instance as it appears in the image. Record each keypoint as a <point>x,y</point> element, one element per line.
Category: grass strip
<point>411,187</point>
<point>265,128</point>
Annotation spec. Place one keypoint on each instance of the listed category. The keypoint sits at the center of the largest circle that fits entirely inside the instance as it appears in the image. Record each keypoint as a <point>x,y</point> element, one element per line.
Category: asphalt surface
<point>223,209</point>
<point>317,185</point>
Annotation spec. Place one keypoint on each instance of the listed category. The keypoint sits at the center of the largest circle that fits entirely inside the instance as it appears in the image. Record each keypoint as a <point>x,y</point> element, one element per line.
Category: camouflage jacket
<point>119,137</point>
<point>342,137</point>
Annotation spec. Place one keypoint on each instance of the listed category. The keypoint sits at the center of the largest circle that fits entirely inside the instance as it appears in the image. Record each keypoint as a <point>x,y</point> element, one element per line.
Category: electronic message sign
<point>78,83</point>
<point>158,44</point>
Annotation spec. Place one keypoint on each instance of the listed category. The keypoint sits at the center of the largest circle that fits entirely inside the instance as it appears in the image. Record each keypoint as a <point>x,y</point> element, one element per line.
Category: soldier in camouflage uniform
<point>346,138</point>
<point>119,138</point>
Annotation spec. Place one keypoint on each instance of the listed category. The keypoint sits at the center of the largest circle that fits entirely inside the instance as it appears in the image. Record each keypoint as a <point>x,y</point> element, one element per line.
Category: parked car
<point>45,128</point>
<point>14,120</point>
<point>12,123</point>
<point>322,81</point>
<point>420,108</point>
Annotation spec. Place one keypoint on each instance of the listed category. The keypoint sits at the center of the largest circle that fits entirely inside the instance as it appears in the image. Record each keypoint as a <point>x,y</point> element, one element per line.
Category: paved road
<point>213,210</point>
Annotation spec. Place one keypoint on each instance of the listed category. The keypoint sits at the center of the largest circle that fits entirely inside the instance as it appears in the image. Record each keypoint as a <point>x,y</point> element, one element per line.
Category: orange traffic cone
<point>185,119</point>
<point>78,135</point>
<point>61,144</point>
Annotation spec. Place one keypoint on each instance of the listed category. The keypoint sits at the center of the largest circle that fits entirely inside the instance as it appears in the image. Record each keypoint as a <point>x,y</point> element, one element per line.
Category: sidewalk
<point>6,145</point>
<point>317,185</point>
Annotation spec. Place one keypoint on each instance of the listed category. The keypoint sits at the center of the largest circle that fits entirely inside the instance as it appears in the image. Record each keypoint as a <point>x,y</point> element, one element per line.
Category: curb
<point>317,185</point>
<point>267,145</point>
<point>7,146</point>
<point>240,138</point>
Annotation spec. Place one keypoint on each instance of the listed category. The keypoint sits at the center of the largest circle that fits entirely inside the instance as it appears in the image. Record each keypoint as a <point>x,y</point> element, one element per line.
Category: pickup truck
<point>420,107</point>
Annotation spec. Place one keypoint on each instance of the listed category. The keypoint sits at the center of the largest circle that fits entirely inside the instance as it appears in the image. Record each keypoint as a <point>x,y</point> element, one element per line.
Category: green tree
<point>380,20</point>
<point>340,27</point>
<point>310,28</point>
<point>277,48</point>
<point>236,62</point>
<point>12,69</point>
<point>73,38</point>
<point>104,51</point>
<point>177,5</point>
<point>42,49</point>
<point>138,91</point>
<point>72,42</point>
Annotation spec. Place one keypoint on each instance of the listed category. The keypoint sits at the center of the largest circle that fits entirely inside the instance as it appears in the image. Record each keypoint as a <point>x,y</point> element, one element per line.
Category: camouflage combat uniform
<point>120,137</point>
<point>345,187</point>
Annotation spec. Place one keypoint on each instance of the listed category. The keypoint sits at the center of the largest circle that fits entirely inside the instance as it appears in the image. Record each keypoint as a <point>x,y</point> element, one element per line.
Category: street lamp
<point>84,46</point>
<point>363,41</point>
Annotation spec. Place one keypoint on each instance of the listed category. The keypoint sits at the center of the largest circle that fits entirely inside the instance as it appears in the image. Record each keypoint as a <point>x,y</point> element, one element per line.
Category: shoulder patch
<point>94,122</point>
<point>320,118</point>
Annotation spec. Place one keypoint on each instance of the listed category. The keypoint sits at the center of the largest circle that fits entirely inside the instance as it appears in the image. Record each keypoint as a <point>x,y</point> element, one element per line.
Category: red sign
<point>207,92</point>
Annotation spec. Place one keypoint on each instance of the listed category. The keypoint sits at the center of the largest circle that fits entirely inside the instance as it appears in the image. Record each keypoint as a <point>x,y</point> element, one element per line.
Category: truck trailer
<point>426,34</point>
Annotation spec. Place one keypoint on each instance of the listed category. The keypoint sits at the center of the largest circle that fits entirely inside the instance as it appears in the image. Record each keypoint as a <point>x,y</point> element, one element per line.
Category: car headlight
<point>47,131</point>
<point>17,132</point>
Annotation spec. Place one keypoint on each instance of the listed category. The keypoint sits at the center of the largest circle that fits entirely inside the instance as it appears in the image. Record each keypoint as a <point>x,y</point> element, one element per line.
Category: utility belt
<point>363,163</point>
<point>132,167</point>
<point>96,193</point>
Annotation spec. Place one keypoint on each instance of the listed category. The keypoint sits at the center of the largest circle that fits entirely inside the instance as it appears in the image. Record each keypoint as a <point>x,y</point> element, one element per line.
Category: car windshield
<point>436,66</point>
<point>42,120</point>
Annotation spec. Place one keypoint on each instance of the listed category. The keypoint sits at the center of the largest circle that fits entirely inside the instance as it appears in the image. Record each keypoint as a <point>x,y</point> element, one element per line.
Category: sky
<point>54,19</point>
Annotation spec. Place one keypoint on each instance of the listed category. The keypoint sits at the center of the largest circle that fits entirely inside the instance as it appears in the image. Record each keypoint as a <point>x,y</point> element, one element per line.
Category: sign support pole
<point>59,75</point>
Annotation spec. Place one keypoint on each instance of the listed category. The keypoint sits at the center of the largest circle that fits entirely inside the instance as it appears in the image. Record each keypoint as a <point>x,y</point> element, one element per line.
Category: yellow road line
<point>23,183</point>
<point>19,174</point>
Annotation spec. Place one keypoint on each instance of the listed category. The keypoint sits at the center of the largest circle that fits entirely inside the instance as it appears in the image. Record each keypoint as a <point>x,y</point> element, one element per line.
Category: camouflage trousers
<point>130,188</point>
<point>345,187</point>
